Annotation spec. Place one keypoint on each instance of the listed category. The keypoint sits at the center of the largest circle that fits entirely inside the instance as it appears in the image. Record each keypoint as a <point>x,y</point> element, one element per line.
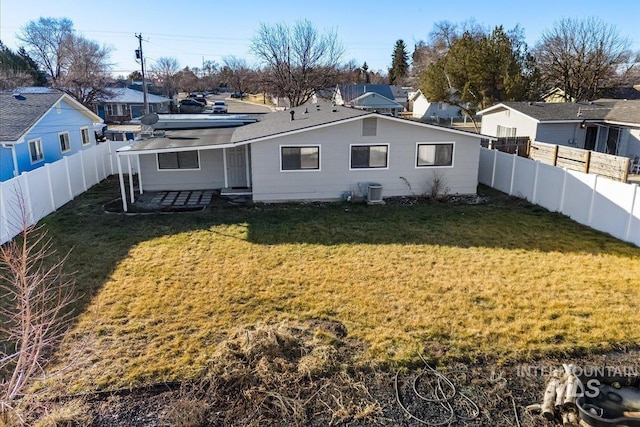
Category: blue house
<point>39,126</point>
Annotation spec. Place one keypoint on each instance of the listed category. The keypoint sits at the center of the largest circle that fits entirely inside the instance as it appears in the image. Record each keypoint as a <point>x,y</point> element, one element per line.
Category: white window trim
<point>300,146</point>
<point>88,136</point>
<point>178,169</point>
<point>60,145</point>
<point>453,154</point>
<point>371,145</point>
<point>39,141</point>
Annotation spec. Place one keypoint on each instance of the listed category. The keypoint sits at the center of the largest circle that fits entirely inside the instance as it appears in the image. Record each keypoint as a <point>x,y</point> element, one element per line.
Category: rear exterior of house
<point>320,154</point>
<point>404,153</point>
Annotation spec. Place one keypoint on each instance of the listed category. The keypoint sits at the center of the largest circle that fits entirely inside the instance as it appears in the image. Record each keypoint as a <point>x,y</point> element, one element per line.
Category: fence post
<point>493,172</point>
<point>50,182</point>
<point>564,189</point>
<point>82,167</point>
<point>513,173</point>
<point>593,198</point>
<point>66,168</point>
<point>633,202</point>
<point>535,183</point>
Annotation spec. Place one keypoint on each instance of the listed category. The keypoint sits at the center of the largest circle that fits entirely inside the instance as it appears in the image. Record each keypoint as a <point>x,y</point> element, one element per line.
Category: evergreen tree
<point>18,69</point>
<point>399,63</point>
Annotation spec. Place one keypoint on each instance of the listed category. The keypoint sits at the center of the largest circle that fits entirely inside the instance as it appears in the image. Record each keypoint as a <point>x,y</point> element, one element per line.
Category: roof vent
<point>292,114</point>
<point>306,111</point>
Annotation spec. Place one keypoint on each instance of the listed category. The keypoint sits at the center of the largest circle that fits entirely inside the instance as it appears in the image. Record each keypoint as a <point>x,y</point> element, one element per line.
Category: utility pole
<point>144,81</point>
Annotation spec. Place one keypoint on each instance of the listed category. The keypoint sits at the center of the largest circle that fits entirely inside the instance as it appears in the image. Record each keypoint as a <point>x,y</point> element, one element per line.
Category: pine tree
<point>399,63</point>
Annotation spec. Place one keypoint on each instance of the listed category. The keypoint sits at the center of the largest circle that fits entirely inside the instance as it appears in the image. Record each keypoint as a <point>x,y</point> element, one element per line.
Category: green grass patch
<point>503,281</point>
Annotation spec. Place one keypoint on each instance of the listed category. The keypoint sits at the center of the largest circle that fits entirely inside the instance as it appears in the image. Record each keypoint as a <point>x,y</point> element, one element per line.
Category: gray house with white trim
<point>312,153</point>
<point>605,126</point>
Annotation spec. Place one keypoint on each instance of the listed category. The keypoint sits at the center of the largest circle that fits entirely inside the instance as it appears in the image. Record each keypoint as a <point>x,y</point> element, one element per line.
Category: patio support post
<point>139,174</point>
<point>224,166</point>
<point>131,189</point>
<point>123,192</point>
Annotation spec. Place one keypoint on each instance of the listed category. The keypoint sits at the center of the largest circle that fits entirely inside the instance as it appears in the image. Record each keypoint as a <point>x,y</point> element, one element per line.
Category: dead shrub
<point>75,413</point>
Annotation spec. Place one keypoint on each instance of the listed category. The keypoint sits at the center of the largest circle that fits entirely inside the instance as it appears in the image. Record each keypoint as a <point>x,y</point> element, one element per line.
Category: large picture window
<point>300,158</point>
<point>435,155</point>
<point>179,160</point>
<point>65,145</point>
<point>35,150</point>
<point>369,156</point>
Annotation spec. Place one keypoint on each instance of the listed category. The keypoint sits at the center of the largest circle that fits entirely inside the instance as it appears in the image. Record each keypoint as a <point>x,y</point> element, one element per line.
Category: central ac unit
<point>374,194</point>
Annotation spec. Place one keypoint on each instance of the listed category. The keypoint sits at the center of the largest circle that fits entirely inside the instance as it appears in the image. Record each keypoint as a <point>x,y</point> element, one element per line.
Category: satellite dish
<point>149,119</point>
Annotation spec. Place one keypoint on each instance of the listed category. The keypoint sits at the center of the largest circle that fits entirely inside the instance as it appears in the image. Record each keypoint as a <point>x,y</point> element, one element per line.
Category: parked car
<point>190,105</point>
<point>238,95</point>
<point>198,96</point>
<point>219,107</point>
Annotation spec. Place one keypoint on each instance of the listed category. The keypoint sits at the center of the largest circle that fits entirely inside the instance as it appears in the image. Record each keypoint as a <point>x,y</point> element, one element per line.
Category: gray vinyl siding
<point>335,178</point>
<point>209,176</point>
<point>568,134</point>
<point>525,126</point>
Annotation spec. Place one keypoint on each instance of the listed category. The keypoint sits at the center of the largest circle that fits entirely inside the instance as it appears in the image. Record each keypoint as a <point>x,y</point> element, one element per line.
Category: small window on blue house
<point>435,155</point>
<point>65,145</point>
<point>35,151</point>
<point>300,158</point>
<point>178,160</point>
<point>84,133</point>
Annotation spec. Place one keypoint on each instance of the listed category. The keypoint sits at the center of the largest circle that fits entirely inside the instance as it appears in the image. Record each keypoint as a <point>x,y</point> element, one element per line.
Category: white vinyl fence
<point>600,203</point>
<point>46,189</point>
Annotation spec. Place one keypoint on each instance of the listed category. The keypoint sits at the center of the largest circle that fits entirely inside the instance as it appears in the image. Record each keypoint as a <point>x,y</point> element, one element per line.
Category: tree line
<point>464,64</point>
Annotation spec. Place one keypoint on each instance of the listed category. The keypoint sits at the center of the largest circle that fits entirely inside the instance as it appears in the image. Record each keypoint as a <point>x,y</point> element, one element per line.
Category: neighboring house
<point>39,126</point>
<point>618,92</point>
<point>556,95</point>
<point>371,97</point>
<point>423,109</point>
<point>611,127</point>
<point>401,95</point>
<point>125,104</point>
<point>312,154</point>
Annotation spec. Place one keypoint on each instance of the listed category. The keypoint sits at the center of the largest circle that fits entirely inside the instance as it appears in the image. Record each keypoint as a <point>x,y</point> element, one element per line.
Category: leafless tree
<point>86,75</point>
<point>35,300</point>
<point>165,70</point>
<point>299,59</point>
<point>44,39</point>
<point>73,63</point>
<point>582,57</point>
<point>237,73</point>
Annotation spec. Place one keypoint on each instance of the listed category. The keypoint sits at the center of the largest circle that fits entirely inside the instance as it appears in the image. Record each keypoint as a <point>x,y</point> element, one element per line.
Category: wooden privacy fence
<point>519,145</point>
<point>577,159</point>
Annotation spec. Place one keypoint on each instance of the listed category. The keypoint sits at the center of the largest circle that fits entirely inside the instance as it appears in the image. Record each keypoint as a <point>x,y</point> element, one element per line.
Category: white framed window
<point>35,151</point>
<point>65,144</point>
<point>299,158</point>
<point>58,108</point>
<point>369,156</point>
<point>179,160</point>
<point>84,134</point>
<point>506,132</point>
<point>434,154</point>
<point>110,109</point>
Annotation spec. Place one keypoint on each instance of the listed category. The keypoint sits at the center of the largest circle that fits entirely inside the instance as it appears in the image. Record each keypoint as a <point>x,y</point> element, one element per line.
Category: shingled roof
<point>303,117</point>
<point>625,111</point>
<point>19,113</point>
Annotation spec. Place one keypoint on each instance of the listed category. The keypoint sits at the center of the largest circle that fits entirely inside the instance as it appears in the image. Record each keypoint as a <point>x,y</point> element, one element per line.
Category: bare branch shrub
<point>437,186</point>
<point>35,300</point>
